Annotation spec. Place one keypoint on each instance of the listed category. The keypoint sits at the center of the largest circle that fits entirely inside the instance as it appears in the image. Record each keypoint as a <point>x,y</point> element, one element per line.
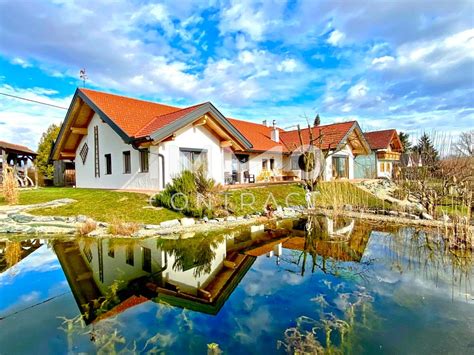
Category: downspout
<point>162,169</point>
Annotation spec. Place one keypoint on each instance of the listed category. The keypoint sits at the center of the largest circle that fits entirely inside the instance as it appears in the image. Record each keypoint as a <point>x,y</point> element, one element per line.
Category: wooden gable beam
<point>79,130</point>
<point>68,154</point>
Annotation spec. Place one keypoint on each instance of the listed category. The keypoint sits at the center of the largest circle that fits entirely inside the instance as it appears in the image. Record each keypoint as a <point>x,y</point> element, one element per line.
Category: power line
<point>34,101</point>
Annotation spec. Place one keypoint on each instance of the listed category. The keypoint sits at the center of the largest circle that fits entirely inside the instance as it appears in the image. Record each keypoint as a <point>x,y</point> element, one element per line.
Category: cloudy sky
<point>389,64</point>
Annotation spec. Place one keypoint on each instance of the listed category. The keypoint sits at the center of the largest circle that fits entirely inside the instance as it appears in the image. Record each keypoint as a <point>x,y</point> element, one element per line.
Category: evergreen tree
<point>44,149</point>
<point>405,140</point>
<point>428,153</point>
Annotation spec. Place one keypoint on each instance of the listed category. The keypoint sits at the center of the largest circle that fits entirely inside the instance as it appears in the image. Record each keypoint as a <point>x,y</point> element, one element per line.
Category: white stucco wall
<point>193,137</point>
<point>111,143</point>
<point>345,152</point>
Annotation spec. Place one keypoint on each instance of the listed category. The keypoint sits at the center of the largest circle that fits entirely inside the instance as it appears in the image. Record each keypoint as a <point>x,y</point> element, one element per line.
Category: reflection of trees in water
<point>197,252</point>
<point>12,252</point>
<point>326,252</point>
<point>334,329</point>
<point>426,254</point>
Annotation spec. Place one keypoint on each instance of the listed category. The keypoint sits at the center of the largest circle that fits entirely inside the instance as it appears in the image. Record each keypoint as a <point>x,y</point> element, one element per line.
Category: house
<point>386,150</point>
<point>20,158</point>
<point>119,142</point>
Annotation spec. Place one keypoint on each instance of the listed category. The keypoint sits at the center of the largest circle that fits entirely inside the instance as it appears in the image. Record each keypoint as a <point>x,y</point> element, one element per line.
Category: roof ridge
<point>326,125</point>
<point>382,130</point>
<point>129,98</point>
<point>166,114</point>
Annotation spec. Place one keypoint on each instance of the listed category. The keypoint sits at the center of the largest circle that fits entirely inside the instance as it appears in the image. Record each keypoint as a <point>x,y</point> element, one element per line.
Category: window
<point>108,164</point>
<point>83,153</point>
<point>146,266</point>
<point>193,159</point>
<point>382,167</point>
<point>129,257</point>
<point>340,167</point>
<point>387,167</point>
<point>127,163</point>
<point>272,164</point>
<point>111,252</point>
<point>264,164</point>
<point>88,253</point>
<point>144,160</point>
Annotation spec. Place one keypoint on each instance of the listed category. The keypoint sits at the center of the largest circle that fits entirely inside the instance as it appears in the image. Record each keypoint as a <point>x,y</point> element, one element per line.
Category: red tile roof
<point>332,135</point>
<point>380,139</point>
<point>163,120</point>
<point>257,134</point>
<point>131,115</point>
<point>17,147</point>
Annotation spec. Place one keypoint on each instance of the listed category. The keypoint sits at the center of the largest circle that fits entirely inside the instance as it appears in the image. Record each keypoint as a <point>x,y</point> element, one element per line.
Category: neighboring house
<point>386,151</point>
<point>19,157</point>
<point>124,143</point>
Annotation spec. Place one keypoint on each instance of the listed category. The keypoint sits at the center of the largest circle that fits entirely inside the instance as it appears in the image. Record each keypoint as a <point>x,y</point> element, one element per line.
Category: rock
<point>170,224</point>
<point>412,216</point>
<point>187,235</point>
<point>96,233</point>
<point>59,218</point>
<point>240,218</point>
<point>205,219</point>
<point>81,219</point>
<point>220,219</point>
<point>213,221</point>
<point>393,213</point>
<point>445,218</point>
<point>43,219</point>
<point>21,218</point>
<point>348,208</point>
<point>231,219</point>
<point>257,228</point>
<point>152,226</point>
<point>102,224</point>
<point>425,215</point>
<point>187,222</point>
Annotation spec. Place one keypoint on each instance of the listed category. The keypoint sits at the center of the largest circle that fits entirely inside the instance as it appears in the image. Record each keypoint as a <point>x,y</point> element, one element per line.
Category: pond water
<point>325,284</point>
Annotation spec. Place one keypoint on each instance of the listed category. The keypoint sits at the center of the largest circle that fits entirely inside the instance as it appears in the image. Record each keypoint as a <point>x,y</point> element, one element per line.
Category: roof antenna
<point>83,76</point>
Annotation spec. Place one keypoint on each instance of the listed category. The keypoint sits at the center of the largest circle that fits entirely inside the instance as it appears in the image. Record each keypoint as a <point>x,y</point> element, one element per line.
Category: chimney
<point>264,122</point>
<point>275,134</point>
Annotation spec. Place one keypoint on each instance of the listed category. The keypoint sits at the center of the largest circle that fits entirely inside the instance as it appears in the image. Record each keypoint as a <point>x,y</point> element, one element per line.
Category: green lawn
<point>250,200</point>
<point>108,206</point>
<point>102,205</point>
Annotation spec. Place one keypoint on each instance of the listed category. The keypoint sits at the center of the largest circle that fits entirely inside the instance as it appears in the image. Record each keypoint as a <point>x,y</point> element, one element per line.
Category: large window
<point>127,163</point>
<point>129,256</point>
<point>108,164</point>
<point>146,265</point>
<point>193,159</point>
<point>340,167</point>
<point>144,160</point>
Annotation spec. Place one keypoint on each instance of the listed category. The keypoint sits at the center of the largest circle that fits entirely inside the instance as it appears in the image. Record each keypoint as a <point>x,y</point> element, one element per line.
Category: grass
<point>263,196</point>
<point>111,206</point>
<point>336,194</point>
<point>101,205</point>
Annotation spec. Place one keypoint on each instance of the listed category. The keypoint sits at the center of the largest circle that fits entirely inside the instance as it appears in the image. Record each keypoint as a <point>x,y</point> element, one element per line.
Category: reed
<point>10,186</point>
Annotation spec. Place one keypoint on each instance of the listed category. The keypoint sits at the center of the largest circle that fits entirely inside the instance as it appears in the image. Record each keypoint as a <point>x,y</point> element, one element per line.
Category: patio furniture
<point>250,178</point>
<point>228,178</point>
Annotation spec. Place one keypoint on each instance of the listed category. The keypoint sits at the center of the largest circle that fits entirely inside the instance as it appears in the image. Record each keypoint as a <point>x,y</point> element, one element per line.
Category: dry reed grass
<point>10,186</point>
<point>87,227</point>
<point>122,228</point>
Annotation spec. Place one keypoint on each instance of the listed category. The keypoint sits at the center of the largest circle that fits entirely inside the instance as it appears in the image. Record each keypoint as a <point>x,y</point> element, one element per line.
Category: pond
<point>321,284</point>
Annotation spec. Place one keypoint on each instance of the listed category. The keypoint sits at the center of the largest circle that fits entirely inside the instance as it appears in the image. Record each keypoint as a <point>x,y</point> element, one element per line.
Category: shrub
<point>10,186</point>
<point>191,193</point>
<point>87,227</point>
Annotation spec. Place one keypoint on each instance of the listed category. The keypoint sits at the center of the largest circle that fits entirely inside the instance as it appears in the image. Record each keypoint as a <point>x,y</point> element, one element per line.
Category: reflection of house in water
<point>197,273</point>
<point>341,239</point>
<point>12,253</point>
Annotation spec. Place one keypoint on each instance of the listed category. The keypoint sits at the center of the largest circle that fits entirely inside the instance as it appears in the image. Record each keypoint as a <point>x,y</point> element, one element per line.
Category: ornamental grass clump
<point>87,227</point>
<point>122,228</point>
<point>10,186</point>
<point>193,194</point>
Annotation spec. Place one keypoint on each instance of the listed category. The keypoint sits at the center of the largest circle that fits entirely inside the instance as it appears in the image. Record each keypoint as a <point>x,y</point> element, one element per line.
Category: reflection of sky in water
<point>414,309</point>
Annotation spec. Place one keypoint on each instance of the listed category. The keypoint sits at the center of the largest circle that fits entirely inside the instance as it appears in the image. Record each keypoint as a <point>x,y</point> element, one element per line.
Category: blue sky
<point>389,64</point>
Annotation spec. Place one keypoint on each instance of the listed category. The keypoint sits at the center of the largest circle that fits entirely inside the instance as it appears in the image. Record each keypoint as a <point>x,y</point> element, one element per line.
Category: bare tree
<point>465,145</point>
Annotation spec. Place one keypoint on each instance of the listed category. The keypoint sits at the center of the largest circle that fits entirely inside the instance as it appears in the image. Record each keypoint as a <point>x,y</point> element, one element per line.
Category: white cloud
<point>23,122</point>
<point>336,37</point>
<point>382,62</point>
<point>358,91</point>
<point>288,65</point>
<point>21,62</point>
